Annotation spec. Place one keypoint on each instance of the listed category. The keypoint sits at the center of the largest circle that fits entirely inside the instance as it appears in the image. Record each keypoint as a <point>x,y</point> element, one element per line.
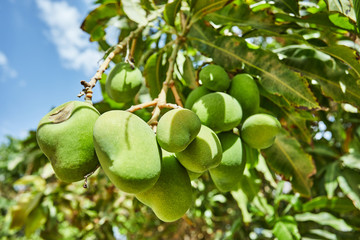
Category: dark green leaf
<point>349,182</point>
<point>326,219</point>
<point>201,8</point>
<point>155,73</point>
<point>171,9</point>
<point>288,158</point>
<point>231,52</point>
<point>341,205</point>
<point>357,12</point>
<point>286,228</point>
<point>290,6</point>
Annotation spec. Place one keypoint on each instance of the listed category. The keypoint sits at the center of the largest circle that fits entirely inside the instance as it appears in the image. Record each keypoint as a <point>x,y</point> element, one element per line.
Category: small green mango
<point>203,153</point>
<point>127,150</point>
<point>195,95</point>
<point>176,129</point>
<point>219,111</point>
<point>123,82</point>
<point>243,87</point>
<point>65,137</point>
<point>215,78</point>
<point>259,130</point>
<point>227,176</point>
<point>171,196</point>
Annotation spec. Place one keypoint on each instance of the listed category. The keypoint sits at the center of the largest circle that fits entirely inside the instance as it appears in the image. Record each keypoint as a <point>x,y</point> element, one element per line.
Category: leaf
<point>201,8</point>
<point>341,205</point>
<point>326,219</point>
<point>357,12</point>
<point>95,22</point>
<point>263,168</point>
<point>286,228</point>
<point>290,6</point>
<point>171,9</point>
<point>287,157</point>
<point>231,52</point>
<point>351,160</point>
<point>36,219</point>
<point>189,74</point>
<point>343,6</point>
<point>242,201</point>
<point>23,207</point>
<point>38,182</point>
<point>155,73</point>
<point>134,11</point>
<point>330,178</point>
<point>349,182</point>
<point>335,82</point>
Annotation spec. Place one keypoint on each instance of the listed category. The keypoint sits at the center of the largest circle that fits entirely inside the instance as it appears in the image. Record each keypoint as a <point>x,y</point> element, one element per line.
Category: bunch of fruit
<point>158,167</point>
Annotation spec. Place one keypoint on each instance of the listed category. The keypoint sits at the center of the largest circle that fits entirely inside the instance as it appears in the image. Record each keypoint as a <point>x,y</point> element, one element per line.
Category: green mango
<point>203,153</point>
<point>259,130</point>
<point>227,175</point>
<point>127,150</point>
<point>195,95</point>
<point>65,137</point>
<point>176,129</point>
<point>171,196</point>
<point>123,82</point>
<point>215,78</point>
<point>219,111</point>
<point>243,87</point>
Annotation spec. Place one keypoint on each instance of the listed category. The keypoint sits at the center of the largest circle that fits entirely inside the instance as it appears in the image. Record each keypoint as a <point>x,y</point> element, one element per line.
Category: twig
<point>176,94</point>
<point>142,105</point>
<point>87,176</point>
<point>88,86</point>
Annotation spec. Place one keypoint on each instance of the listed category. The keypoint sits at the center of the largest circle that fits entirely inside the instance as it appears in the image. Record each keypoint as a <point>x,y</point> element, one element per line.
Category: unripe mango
<point>171,196</point>
<point>259,130</point>
<point>215,78</point>
<point>123,82</point>
<point>65,137</point>
<point>219,111</point>
<point>195,95</point>
<point>227,175</point>
<point>176,129</point>
<point>127,150</point>
<point>243,87</point>
<point>203,153</point>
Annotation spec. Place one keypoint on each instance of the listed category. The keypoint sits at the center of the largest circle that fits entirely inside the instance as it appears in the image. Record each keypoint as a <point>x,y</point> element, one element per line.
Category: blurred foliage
<point>305,57</point>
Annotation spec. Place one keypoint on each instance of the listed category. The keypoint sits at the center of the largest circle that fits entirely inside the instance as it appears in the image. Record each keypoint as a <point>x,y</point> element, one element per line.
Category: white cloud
<point>72,44</point>
<point>6,71</point>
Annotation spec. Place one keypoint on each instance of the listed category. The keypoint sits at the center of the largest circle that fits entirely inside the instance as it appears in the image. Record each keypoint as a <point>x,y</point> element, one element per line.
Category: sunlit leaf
<point>336,204</point>
<point>351,160</point>
<point>349,182</point>
<point>286,228</point>
<point>343,6</point>
<point>287,157</point>
<point>326,219</point>
<point>330,179</point>
<point>134,11</point>
<point>36,181</point>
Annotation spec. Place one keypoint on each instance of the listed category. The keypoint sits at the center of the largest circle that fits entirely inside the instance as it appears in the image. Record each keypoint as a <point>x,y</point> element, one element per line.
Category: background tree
<point>304,55</point>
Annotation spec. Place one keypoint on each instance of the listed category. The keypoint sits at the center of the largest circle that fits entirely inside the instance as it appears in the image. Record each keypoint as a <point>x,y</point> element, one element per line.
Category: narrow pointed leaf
<point>231,52</point>
<point>326,219</point>
<point>287,157</point>
<point>349,182</point>
<point>330,179</point>
<point>341,205</point>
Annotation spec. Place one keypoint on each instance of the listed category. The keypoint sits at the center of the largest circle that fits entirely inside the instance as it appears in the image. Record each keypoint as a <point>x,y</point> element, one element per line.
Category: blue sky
<point>43,57</point>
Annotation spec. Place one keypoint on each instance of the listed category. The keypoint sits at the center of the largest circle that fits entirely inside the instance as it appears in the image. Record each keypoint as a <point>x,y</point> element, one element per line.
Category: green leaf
<point>290,6</point>
<point>242,201</point>
<point>349,182</point>
<point>330,178</point>
<point>35,220</point>
<point>171,9</point>
<point>36,181</point>
<point>201,8</point>
<point>286,228</point>
<point>231,52</point>
<point>357,12</point>
<point>341,205</point>
<point>335,82</point>
<point>287,157</point>
<point>351,160</point>
<point>325,219</point>
<point>134,11</point>
<point>343,6</point>
<point>251,156</point>
<point>263,168</point>
<point>95,22</point>
<point>155,73</point>
<point>189,73</point>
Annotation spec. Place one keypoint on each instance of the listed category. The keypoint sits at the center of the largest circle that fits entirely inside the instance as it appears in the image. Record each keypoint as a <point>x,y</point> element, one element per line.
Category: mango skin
<point>171,196</point>
<point>215,78</point>
<point>195,95</point>
<point>176,129</point>
<point>227,176</point>
<point>259,130</point>
<point>123,82</point>
<point>68,144</point>
<point>203,153</point>
<point>243,87</point>
<point>127,150</point>
<point>219,111</point>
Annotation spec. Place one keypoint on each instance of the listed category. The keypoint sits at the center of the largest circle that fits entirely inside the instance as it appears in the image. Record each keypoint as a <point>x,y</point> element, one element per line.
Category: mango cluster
<point>157,168</point>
